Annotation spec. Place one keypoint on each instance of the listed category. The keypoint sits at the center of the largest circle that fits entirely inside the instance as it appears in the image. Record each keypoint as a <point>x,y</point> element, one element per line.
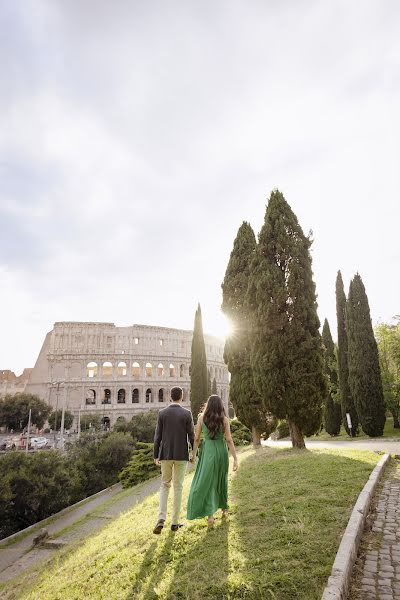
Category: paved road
<point>390,445</point>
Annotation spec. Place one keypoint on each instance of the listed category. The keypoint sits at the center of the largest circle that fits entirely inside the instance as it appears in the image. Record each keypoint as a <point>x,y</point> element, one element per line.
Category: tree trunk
<point>256,436</point>
<point>396,422</point>
<point>296,435</point>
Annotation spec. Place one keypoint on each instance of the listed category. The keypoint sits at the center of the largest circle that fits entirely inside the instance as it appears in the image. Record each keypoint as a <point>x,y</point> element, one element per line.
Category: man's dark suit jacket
<point>174,427</point>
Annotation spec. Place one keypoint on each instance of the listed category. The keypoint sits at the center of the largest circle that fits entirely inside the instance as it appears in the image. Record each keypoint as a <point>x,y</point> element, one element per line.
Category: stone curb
<point>338,584</point>
<point>21,534</point>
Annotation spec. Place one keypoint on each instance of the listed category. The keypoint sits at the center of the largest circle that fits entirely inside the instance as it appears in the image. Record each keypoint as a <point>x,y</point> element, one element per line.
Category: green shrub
<point>282,430</point>
<point>140,467</point>
<point>143,426</point>
<point>241,435</point>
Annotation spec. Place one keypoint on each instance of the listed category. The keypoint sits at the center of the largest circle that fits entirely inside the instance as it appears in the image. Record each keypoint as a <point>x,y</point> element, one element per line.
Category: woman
<point>209,489</point>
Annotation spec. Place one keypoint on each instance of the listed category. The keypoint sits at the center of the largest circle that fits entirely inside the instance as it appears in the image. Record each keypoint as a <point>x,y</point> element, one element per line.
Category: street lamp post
<point>57,383</point>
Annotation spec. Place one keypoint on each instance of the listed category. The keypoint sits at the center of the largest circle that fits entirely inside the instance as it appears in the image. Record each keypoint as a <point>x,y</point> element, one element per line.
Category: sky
<point>136,137</point>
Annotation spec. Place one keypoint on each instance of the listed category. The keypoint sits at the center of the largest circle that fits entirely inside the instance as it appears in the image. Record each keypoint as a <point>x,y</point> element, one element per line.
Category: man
<point>174,429</point>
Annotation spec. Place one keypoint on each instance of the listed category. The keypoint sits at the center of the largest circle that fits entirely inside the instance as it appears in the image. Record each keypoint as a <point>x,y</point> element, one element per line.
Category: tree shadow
<point>202,570</point>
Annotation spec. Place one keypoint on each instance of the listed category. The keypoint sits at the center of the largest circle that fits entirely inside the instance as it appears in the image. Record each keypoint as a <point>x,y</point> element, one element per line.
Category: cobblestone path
<point>377,571</point>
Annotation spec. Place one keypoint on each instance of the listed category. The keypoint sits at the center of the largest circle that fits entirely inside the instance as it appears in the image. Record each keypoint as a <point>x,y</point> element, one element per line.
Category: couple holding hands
<point>209,489</point>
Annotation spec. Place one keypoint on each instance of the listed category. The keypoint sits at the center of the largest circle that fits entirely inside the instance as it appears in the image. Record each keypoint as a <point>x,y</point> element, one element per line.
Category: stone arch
<point>121,397</point>
<point>91,396</point>
<point>182,371</point>
<point>91,370</point>
<point>107,369</point>
<point>135,396</point>
<point>149,369</point>
<point>161,395</point>
<point>160,370</point>
<point>121,369</point>
<point>106,396</point>
<point>171,370</point>
<point>149,395</point>
<point>135,369</point>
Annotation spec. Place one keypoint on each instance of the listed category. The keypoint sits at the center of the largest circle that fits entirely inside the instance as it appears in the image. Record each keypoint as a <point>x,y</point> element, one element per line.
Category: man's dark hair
<point>176,393</point>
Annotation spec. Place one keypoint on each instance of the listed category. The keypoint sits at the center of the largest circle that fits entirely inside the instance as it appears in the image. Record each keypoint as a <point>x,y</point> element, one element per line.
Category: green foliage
<point>242,392</point>
<point>388,339</point>
<point>55,418</point>
<point>14,411</point>
<point>364,371</point>
<point>282,429</point>
<point>198,377</point>
<point>346,399</point>
<point>241,435</point>
<point>121,425</point>
<point>97,459</point>
<point>214,387</point>
<point>90,423</point>
<point>286,354</point>
<point>33,487</point>
<point>143,426</point>
<point>332,414</point>
<point>140,467</point>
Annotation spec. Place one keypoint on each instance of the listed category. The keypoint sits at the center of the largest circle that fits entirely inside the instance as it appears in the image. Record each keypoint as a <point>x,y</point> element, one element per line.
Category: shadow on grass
<point>291,511</point>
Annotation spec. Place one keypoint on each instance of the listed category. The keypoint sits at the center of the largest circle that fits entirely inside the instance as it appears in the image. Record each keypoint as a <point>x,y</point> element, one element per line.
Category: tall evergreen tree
<point>214,387</point>
<point>242,392</point>
<point>199,374</point>
<point>343,368</point>
<point>287,354</point>
<point>364,372</point>
<point>332,408</point>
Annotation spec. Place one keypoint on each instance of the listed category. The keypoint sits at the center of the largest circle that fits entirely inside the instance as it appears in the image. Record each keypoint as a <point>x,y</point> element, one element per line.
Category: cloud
<point>134,140</point>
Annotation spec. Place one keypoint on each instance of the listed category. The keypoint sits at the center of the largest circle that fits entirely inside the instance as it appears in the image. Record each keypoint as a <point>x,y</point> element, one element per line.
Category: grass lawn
<point>289,509</point>
<point>388,432</point>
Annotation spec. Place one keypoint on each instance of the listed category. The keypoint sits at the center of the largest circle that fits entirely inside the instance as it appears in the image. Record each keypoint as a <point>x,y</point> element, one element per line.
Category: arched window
<point>91,397</point>
<point>107,369</point>
<point>135,396</point>
<point>121,396</point>
<point>135,369</point>
<point>160,370</point>
<point>91,370</point>
<point>161,395</point>
<point>149,369</point>
<point>182,371</point>
<point>171,370</point>
<point>149,395</point>
<point>121,369</point>
<point>106,397</point>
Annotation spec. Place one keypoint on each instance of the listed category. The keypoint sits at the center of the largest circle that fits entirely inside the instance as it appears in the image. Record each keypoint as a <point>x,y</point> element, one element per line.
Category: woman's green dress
<point>209,489</point>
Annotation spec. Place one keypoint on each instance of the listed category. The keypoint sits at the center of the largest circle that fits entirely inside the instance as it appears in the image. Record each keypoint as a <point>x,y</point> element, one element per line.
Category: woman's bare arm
<point>229,441</point>
<point>197,437</point>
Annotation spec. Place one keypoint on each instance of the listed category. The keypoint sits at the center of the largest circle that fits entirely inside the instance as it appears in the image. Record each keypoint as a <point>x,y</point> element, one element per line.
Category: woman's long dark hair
<point>213,415</point>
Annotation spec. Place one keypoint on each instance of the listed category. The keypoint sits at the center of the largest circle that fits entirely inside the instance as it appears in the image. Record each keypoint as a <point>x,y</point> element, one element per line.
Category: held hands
<point>191,457</point>
<point>157,462</point>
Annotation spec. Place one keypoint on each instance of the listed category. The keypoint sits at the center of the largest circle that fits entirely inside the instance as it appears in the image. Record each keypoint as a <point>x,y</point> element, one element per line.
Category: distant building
<point>11,384</point>
<point>98,368</point>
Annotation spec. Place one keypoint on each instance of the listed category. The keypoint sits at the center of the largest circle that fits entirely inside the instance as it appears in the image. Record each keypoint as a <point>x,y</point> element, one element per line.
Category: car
<point>39,442</point>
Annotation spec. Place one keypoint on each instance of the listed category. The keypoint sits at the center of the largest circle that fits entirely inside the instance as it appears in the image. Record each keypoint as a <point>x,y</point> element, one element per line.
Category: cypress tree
<point>287,354</point>
<point>343,368</point>
<point>242,392</point>
<point>198,373</point>
<point>364,372</point>
<point>214,387</point>
<point>332,408</point>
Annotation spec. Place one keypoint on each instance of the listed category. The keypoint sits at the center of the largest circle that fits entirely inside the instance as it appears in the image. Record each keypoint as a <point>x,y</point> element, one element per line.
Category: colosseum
<point>98,368</point>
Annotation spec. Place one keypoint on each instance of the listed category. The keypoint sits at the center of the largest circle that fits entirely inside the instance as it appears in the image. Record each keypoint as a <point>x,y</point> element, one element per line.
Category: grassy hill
<point>289,509</point>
